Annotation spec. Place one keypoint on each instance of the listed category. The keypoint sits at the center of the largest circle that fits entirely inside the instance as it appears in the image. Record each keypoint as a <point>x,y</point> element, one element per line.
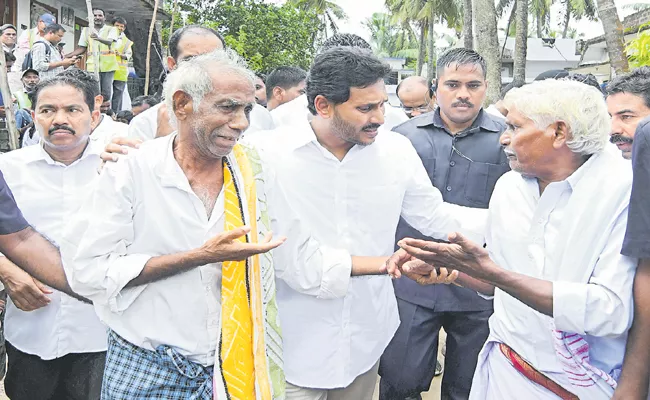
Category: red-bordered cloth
<point>534,375</point>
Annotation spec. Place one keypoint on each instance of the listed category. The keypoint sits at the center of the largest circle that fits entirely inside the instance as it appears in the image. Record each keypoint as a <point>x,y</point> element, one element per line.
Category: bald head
<point>413,93</point>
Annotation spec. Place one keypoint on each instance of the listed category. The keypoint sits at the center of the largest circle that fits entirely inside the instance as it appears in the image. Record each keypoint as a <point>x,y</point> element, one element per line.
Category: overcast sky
<point>360,10</point>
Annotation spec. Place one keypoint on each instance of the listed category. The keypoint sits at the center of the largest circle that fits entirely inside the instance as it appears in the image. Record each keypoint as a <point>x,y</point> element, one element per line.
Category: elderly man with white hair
<point>160,249</point>
<point>562,290</point>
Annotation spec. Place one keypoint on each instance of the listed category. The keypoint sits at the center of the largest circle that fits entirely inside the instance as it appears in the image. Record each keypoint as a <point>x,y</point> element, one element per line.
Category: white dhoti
<point>497,379</point>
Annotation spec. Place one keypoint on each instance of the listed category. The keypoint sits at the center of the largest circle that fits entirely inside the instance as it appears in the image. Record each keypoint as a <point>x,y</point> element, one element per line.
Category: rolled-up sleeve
<point>603,306</point>
<point>302,262</point>
<point>95,244</point>
<point>424,209</point>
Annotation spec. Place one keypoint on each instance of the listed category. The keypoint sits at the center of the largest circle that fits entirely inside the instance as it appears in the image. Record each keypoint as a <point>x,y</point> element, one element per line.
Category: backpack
<point>28,61</point>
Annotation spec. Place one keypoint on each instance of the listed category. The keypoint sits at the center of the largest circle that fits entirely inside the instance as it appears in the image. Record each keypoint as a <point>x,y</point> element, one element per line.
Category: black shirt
<point>11,219</point>
<point>464,167</point>
<point>637,236</point>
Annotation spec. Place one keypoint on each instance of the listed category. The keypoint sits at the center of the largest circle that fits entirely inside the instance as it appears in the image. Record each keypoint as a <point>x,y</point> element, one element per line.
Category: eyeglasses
<point>422,108</point>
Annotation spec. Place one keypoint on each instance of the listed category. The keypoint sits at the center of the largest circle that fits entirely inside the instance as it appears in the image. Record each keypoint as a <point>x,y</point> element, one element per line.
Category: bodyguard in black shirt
<point>460,149</point>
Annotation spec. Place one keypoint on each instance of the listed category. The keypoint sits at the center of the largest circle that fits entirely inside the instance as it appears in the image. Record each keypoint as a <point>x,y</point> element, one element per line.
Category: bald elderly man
<point>416,95</point>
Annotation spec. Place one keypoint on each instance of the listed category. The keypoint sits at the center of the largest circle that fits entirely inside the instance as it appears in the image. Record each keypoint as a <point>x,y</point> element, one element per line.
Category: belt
<point>534,375</point>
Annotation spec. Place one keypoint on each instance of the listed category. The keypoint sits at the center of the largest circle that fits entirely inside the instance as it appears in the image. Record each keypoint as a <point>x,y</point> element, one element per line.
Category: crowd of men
<point>292,236</point>
<point>40,51</point>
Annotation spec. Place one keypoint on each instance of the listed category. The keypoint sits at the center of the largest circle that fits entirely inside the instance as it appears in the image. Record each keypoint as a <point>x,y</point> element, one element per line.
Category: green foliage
<point>638,49</point>
<point>391,39</point>
<point>266,35</point>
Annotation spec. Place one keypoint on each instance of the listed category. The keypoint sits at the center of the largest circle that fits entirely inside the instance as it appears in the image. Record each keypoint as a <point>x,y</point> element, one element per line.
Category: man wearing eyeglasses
<point>416,96</point>
<point>459,147</point>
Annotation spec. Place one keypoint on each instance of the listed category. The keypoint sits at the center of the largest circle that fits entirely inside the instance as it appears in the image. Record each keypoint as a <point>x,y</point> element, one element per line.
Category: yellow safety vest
<point>122,46</point>
<point>22,99</point>
<point>33,36</point>
<point>107,61</point>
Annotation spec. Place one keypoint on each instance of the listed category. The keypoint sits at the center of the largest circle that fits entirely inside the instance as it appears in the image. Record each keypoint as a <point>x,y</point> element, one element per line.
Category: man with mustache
<point>350,182</point>
<point>628,102</point>
<point>55,344</point>
<point>459,146</point>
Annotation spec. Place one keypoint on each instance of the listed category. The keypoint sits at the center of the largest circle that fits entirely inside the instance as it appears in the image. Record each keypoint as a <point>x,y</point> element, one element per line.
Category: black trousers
<point>408,363</point>
<point>71,377</point>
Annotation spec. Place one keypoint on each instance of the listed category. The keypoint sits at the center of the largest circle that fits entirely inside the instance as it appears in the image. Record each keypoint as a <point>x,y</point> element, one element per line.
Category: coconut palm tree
<point>390,39</point>
<point>328,10</point>
<point>488,45</point>
<point>577,9</point>
<point>521,42</point>
<point>614,38</point>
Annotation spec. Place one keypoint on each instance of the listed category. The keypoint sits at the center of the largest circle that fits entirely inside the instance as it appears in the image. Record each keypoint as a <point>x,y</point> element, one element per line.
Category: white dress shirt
<point>581,220</point>
<point>142,207</point>
<point>49,193</point>
<point>109,129</point>
<point>333,336</point>
<point>144,125</point>
<point>296,112</point>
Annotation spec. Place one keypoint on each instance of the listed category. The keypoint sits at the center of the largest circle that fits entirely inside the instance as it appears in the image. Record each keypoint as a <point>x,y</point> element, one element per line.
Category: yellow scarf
<point>243,352</point>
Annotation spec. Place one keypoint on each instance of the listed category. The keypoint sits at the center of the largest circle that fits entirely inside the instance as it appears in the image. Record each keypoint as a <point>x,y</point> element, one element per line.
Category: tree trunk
<point>10,117</point>
<point>567,19</point>
<point>467,25</point>
<point>485,17</point>
<point>431,64</point>
<point>538,24</point>
<point>422,51</point>
<point>148,60</point>
<point>521,41</point>
<point>511,19</point>
<point>613,35</point>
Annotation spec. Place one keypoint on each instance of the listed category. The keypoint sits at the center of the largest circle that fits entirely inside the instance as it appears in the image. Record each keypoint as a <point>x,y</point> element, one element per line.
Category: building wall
<point>534,68</point>
<point>23,18</point>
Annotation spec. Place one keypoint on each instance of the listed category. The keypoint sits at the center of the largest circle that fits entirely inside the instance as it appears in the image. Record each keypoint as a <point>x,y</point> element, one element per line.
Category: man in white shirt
<point>115,249</point>
<point>56,344</point>
<point>187,42</point>
<point>350,183</point>
<point>562,290</point>
<point>297,111</point>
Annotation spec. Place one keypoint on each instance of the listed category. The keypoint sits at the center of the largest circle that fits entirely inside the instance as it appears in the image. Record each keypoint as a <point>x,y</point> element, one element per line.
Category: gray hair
<point>193,77</point>
<point>580,106</point>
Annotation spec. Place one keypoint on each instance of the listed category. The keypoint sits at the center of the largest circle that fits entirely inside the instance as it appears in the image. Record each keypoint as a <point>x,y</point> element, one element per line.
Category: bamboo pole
<point>91,42</point>
<point>148,60</point>
<point>171,25</point>
<point>10,116</point>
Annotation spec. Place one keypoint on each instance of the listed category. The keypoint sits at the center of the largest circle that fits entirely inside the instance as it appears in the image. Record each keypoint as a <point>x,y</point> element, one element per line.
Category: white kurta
<point>336,332</point>
<point>571,235</point>
<point>142,207</point>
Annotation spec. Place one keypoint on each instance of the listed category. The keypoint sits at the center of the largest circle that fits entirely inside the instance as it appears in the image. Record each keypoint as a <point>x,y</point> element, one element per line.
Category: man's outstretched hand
<point>459,254</point>
<point>402,263</point>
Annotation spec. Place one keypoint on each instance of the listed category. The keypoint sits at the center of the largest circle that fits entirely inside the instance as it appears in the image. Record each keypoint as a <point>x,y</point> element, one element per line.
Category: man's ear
<point>278,93</point>
<point>183,105</point>
<point>561,134</point>
<point>323,107</point>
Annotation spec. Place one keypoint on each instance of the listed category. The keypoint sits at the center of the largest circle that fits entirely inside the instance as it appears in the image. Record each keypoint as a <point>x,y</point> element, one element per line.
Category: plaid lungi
<point>135,373</point>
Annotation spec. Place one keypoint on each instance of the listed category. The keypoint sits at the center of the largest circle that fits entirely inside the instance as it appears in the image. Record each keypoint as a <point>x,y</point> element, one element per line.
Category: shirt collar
<point>39,154</point>
<point>482,121</point>
<point>301,134</point>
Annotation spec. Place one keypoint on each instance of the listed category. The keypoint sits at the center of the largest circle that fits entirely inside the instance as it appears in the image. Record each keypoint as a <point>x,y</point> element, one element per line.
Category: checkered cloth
<point>137,374</point>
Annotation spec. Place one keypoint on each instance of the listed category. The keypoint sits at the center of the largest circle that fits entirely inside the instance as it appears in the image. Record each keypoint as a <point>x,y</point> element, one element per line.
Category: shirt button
<point>449,188</point>
<point>452,163</point>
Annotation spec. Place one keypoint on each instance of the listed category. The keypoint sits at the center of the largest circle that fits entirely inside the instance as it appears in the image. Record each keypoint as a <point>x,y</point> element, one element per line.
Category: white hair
<point>192,77</point>
<point>580,106</point>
